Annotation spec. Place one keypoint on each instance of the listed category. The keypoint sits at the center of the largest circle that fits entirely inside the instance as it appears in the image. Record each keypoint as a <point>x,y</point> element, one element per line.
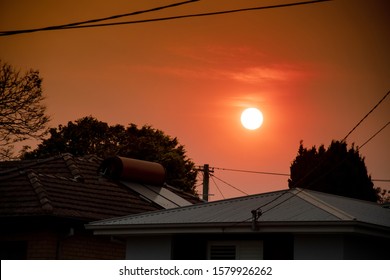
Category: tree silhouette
<point>90,136</point>
<point>22,114</point>
<point>383,195</point>
<point>337,170</point>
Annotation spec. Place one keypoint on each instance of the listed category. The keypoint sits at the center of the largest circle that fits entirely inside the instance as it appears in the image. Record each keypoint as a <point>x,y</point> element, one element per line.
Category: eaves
<point>312,227</point>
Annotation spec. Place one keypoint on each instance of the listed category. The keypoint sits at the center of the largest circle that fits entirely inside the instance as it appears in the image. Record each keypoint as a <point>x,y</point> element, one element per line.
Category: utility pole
<point>206,177</point>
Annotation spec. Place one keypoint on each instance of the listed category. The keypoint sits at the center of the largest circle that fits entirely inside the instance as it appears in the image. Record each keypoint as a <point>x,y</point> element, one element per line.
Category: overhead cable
<point>249,171</point>
<point>358,148</point>
<point>215,183</point>
<point>376,106</point>
<point>375,134</point>
<point>237,189</point>
<point>14,32</point>
<point>324,174</point>
<point>83,23</point>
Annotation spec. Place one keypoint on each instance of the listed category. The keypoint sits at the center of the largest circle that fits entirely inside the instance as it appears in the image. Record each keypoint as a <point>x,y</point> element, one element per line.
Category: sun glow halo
<point>251,118</point>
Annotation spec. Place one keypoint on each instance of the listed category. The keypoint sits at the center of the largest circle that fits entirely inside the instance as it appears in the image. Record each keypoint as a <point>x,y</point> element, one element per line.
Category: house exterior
<point>45,204</point>
<point>287,224</point>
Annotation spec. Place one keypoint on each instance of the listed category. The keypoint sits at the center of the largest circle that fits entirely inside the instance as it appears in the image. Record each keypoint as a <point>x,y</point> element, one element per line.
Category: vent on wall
<point>145,178</point>
<point>222,252</point>
<point>235,250</point>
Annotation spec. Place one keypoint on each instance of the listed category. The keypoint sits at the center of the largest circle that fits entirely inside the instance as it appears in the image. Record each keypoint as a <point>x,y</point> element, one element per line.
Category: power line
<point>71,26</point>
<point>353,129</point>
<point>81,23</point>
<point>316,167</point>
<point>344,159</point>
<point>229,185</point>
<point>283,174</point>
<point>249,171</point>
<point>215,183</point>
<point>323,160</point>
<point>276,205</point>
<point>375,134</point>
<point>269,202</point>
<point>236,170</point>
<point>300,190</point>
<point>312,170</point>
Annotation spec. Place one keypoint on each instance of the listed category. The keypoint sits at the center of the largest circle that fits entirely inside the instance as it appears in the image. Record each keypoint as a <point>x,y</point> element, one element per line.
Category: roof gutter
<point>329,227</point>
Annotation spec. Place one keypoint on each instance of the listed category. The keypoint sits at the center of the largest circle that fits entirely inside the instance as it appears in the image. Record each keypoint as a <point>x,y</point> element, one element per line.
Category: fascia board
<point>227,228</point>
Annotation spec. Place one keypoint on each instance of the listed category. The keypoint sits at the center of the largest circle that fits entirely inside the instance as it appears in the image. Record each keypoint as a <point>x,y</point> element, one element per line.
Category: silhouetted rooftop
<point>286,210</point>
<point>69,187</point>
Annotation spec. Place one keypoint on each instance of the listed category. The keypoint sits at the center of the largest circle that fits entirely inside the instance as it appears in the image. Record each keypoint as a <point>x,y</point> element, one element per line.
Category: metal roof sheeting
<point>293,205</point>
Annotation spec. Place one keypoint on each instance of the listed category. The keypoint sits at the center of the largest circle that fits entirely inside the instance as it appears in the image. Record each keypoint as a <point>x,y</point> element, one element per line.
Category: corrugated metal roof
<point>363,211</point>
<point>294,205</point>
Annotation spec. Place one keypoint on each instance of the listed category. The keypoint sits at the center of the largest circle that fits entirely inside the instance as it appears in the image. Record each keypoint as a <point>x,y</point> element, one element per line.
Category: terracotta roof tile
<point>40,191</point>
<point>65,186</point>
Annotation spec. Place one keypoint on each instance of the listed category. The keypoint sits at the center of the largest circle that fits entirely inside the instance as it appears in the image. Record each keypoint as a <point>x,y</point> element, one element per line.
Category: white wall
<point>148,248</point>
<point>318,247</point>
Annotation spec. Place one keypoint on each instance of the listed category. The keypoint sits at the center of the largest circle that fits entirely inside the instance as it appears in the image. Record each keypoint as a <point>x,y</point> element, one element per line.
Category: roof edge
<point>341,227</point>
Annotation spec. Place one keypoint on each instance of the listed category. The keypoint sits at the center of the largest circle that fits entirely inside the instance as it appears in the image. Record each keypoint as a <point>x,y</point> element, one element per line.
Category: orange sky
<point>313,70</point>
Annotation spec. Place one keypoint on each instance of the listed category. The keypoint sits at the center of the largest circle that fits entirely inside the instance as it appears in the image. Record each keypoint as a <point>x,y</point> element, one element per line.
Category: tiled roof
<point>65,186</point>
<point>286,207</point>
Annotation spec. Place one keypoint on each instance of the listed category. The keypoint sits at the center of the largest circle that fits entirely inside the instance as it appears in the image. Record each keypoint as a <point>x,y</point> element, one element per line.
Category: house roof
<point>278,209</point>
<point>69,187</point>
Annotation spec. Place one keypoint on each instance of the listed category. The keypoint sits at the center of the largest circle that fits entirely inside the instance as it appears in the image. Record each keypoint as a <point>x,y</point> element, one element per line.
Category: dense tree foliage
<point>337,170</point>
<point>90,136</point>
<point>22,114</point>
<point>383,195</point>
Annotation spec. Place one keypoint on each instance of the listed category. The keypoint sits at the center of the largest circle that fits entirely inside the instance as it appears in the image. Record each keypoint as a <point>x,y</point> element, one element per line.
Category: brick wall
<point>41,245</point>
<point>84,245</point>
<point>37,244</point>
<point>49,244</point>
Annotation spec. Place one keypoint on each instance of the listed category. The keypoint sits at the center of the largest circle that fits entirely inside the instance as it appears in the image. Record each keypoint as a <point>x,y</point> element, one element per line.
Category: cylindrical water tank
<point>129,169</point>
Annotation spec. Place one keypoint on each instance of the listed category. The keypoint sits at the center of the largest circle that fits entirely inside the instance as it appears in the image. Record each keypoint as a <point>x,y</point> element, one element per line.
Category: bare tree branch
<point>22,113</point>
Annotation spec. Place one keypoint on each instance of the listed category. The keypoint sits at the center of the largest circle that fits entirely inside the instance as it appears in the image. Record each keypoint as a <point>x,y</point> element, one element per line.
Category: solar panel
<point>157,194</point>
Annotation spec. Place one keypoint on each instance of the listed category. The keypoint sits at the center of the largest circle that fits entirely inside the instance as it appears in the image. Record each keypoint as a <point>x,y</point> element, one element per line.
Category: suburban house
<point>287,224</point>
<point>45,204</point>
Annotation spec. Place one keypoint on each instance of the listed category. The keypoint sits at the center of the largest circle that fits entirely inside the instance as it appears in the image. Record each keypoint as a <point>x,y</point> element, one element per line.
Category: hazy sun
<point>251,118</point>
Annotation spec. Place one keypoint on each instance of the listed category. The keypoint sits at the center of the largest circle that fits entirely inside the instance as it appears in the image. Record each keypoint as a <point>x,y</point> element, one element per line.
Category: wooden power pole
<point>206,177</point>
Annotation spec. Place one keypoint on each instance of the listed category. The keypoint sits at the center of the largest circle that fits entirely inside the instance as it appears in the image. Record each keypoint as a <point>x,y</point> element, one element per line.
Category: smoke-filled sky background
<point>313,70</point>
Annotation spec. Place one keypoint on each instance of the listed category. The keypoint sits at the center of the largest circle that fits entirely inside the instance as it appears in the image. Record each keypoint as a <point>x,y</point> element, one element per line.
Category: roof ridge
<point>90,158</point>
<point>303,194</point>
<point>52,176</point>
<point>72,166</point>
<point>30,163</point>
<point>40,191</point>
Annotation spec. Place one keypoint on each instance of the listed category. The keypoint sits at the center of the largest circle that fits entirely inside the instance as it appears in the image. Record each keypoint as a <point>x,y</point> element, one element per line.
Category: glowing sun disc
<point>251,118</point>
